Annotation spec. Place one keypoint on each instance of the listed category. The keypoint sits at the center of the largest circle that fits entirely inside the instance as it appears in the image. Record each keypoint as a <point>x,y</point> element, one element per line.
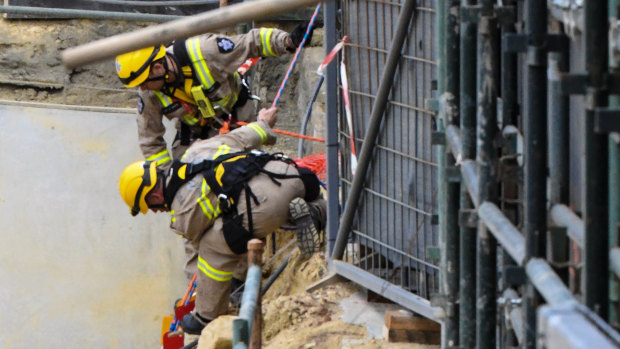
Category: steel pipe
<point>448,203</point>
<point>486,156</point>
<point>469,191</point>
<point>535,152</point>
<point>565,217</point>
<point>548,283</point>
<point>614,261</point>
<point>614,167</point>
<point>453,138</point>
<point>469,168</point>
<point>331,121</point>
<point>390,291</point>
<point>596,204</point>
<point>88,14</point>
<point>157,3</point>
<point>181,28</point>
<point>509,237</point>
<point>515,314</point>
<point>250,294</point>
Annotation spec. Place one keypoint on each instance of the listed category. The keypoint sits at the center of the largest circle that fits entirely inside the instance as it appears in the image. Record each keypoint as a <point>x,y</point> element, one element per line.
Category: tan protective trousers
<point>216,262</point>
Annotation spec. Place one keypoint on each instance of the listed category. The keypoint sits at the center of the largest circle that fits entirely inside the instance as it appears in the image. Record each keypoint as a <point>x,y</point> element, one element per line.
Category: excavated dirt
<point>295,318</point>
<point>31,71</point>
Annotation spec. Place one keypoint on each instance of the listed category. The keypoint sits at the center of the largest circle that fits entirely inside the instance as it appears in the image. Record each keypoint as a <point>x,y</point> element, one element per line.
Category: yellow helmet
<point>136,181</point>
<point>133,67</point>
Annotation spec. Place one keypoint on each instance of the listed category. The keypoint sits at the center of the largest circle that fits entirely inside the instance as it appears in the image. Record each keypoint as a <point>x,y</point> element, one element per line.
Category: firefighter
<point>195,83</point>
<point>220,195</point>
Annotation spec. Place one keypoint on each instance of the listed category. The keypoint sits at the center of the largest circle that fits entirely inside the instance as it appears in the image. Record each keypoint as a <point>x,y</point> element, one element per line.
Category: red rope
<point>292,134</point>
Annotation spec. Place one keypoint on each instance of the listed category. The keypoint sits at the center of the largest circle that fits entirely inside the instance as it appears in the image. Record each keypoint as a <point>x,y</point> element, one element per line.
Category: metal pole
<point>558,158</point>
<point>255,261</point>
<point>449,191</point>
<point>157,3</point>
<point>486,263</point>
<point>565,217</point>
<point>558,132</point>
<point>182,28</point>
<point>513,314</point>
<point>596,263</point>
<point>376,115</point>
<point>306,118</point>
<point>331,101</point>
<point>614,183</point>
<point>510,106</point>
<point>503,230</point>
<point>535,154</point>
<point>548,283</point>
<point>467,253</point>
<point>511,193</point>
<point>89,14</point>
<point>614,259</point>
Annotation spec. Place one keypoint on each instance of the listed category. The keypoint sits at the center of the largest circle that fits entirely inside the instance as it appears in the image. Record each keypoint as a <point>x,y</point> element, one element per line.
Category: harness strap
<point>227,175</point>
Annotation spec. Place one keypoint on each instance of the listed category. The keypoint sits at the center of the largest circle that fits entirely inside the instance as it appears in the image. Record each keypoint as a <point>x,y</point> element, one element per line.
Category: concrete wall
<point>76,270</point>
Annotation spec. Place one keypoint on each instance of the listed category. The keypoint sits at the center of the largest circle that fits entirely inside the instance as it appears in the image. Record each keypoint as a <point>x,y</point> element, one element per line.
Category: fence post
<point>255,257</point>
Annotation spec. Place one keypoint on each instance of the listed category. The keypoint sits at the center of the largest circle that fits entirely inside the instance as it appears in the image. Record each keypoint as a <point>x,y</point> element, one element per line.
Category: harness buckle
<point>224,203</point>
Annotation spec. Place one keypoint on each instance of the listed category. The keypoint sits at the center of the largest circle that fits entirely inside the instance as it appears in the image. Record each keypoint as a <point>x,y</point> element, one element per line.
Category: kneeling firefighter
<point>220,195</point>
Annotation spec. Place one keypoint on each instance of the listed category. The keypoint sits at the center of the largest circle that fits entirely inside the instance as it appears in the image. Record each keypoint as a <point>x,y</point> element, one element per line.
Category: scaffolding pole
<point>596,264</point>
<point>486,157</point>
<point>449,189</point>
<point>467,240</point>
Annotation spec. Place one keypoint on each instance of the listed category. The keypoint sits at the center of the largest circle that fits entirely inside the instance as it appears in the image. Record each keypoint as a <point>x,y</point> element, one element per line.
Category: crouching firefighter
<point>220,195</point>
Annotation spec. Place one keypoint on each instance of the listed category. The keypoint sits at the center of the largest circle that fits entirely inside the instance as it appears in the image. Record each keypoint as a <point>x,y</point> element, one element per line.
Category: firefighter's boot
<point>193,323</point>
<point>307,219</point>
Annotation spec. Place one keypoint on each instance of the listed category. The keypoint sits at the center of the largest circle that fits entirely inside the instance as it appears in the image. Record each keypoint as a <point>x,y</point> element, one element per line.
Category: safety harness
<point>193,85</point>
<point>227,175</point>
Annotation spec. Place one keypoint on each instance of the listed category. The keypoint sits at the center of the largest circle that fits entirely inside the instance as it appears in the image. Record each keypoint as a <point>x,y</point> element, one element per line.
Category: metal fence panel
<point>393,225</point>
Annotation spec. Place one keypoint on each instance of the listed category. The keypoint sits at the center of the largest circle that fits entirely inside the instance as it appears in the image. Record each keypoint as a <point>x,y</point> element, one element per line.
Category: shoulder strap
<point>180,52</point>
<point>180,173</point>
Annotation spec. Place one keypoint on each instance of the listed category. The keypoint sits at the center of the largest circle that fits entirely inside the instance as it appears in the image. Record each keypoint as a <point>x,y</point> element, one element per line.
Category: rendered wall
<point>76,270</point>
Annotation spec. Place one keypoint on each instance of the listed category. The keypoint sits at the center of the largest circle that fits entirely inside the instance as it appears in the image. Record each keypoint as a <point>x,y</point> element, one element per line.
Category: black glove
<point>297,35</point>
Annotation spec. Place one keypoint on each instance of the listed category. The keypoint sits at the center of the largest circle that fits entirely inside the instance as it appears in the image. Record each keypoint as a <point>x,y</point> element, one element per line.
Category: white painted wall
<point>76,269</point>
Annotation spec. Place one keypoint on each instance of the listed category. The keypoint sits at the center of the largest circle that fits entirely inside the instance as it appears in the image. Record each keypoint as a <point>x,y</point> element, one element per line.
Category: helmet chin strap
<point>161,181</point>
<point>161,174</point>
<point>168,87</point>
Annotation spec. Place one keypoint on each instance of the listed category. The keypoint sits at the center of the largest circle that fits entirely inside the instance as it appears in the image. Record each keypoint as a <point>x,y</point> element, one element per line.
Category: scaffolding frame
<point>520,210</point>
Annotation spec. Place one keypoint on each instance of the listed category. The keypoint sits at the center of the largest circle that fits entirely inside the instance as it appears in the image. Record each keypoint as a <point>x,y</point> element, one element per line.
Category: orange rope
<point>287,133</point>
